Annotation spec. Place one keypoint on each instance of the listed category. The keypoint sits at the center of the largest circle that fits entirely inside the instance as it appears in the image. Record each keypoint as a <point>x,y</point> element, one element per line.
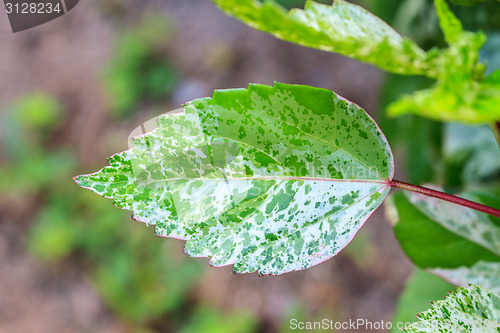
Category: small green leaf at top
<point>267,179</point>
<point>462,93</point>
<point>466,311</point>
<point>343,28</point>
<point>456,98</point>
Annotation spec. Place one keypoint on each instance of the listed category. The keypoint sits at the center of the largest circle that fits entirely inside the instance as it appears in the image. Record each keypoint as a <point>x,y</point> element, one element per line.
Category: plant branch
<point>446,197</point>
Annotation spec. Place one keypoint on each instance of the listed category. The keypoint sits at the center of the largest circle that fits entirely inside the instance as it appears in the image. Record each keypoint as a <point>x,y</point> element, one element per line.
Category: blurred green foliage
<point>489,52</point>
<point>421,289</point>
<point>417,19</point>
<point>362,251</point>
<point>139,70</point>
<point>471,154</point>
<point>38,111</point>
<point>422,141</point>
<point>23,130</point>
<point>418,137</point>
<point>208,320</point>
<point>299,313</point>
<point>453,155</point>
<point>467,2</point>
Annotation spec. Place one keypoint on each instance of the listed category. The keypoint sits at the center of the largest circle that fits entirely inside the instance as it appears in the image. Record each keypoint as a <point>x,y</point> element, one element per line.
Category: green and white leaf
<point>461,92</point>
<point>467,310</point>
<point>485,274</point>
<point>457,243</point>
<point>268,179</point>
<point>464,222</point>
<point>342,28</point>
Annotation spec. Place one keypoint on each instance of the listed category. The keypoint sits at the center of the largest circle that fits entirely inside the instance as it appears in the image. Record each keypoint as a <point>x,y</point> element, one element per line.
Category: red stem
<point>446,197</point>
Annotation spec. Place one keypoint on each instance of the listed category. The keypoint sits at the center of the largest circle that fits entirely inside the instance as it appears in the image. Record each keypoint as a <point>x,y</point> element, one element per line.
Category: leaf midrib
<point>383,182</point>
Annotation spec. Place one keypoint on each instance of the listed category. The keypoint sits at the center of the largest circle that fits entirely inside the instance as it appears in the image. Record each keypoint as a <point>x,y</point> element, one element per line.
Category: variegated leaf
<point>342,28</point>
<point>485,274</point>
<point>456,243</point>
<point>473,310</point>
<point>464,222</point>
<point>273,179</point>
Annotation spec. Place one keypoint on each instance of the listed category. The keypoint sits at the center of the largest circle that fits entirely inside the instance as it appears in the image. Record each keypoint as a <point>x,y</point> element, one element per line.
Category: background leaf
<point>272,179</point>
<point>456,97</point>
<point>437,235</point>
<point>421,289</point>
<point>450,24</point>
<point>485,274</point>
<point>342,28</point>
<point>461,92</point>
<point>467,310</point>
<point>467,2</point>
<point>473,150</point>
<point>140,70</point>
<point>419,138</point>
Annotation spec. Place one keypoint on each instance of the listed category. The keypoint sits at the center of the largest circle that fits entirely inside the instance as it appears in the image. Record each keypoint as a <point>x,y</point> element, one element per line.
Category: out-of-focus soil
<point>211,51</point>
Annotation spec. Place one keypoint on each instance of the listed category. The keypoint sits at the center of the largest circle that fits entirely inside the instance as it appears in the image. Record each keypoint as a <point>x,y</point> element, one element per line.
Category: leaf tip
<point>80,180</point>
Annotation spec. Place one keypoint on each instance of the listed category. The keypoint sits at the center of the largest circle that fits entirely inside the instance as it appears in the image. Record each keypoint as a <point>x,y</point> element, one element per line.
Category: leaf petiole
<point>446,197</point>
